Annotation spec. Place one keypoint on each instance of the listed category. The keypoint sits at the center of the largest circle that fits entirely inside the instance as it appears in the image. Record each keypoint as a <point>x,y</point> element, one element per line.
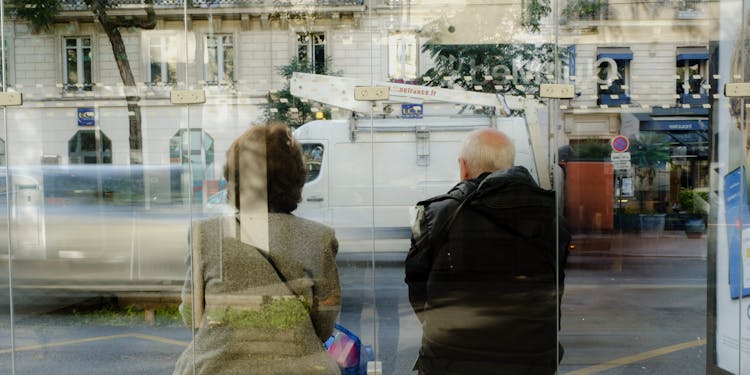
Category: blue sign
<point>737,219</point>
<point>411,110</point>
<point>674,124</point>
<point>86,117</point>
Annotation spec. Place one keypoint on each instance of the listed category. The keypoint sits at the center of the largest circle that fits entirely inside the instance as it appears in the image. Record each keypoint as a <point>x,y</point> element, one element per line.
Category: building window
<point>162,59</point>
<point>691,71</point>
<point>612,71</point>
<point>402,57</point>
<point>4,73</point>
<point>90,147</point>
<point>311,48</point>
<point>77,66</point>
<point>219,58</point>
<point>2,151</point>
<point>193,152</point>
<point>313,156</point>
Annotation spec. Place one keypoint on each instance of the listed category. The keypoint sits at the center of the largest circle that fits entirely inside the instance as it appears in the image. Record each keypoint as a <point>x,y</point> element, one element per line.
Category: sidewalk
<point>665,244</point>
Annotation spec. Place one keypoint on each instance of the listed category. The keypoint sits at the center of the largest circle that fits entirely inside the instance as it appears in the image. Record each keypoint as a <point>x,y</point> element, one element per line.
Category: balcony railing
<point>72,5</point>
<point>609,10</point>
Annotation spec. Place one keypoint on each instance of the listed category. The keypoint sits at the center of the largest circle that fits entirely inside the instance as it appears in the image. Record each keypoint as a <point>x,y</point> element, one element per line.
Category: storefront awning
<point>690,138</point>
<point>690,132</point>
<point>692,53</point>
<point>615,53</point>
<point>649,123</point>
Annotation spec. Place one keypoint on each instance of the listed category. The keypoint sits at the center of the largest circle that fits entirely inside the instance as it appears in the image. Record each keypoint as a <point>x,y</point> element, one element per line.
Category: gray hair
<point>487,150</point>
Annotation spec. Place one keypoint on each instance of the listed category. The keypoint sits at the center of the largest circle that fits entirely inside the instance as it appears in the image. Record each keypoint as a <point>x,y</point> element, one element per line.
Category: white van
<point>364,175</point>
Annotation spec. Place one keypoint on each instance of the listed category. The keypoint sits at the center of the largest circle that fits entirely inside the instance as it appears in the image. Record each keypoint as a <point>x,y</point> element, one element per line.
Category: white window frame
<point>686,77</point>
<point>399,46</point>
<point>220,63</point>
<point>625,65</point>
<point>80,71</point>
<point>169,46</point>
<point>6,72</point>
<point>310,48</point>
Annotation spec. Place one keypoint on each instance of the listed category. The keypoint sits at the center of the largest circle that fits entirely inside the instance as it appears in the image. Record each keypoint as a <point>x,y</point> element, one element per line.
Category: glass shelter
<point>120,158</point>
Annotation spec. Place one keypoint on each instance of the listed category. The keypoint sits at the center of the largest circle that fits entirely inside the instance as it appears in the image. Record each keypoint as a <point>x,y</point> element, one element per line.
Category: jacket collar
<point>517,175</point>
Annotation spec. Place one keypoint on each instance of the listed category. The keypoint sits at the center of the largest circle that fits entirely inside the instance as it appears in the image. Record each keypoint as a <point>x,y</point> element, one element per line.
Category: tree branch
<point>100,11</point>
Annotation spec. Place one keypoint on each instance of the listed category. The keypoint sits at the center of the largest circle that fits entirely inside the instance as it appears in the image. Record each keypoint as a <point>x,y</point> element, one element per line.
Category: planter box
<point>628,222</point>
<point>589,196</point>
<point>652,225</point>
<point>694,228</point>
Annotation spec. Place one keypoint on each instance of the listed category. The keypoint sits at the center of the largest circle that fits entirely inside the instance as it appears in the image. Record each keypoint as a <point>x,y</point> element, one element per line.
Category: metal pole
<point>619,200</point>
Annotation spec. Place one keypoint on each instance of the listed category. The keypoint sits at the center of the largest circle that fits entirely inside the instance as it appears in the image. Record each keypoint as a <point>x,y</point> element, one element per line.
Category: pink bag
<point>344,350</point>
<point>344,347</point>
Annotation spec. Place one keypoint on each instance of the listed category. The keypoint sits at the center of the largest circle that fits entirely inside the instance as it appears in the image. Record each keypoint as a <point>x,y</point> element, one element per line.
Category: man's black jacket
<point>486,280</point>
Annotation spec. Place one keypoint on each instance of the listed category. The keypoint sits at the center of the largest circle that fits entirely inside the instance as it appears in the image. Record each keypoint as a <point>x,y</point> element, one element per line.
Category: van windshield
<point>313,154</point>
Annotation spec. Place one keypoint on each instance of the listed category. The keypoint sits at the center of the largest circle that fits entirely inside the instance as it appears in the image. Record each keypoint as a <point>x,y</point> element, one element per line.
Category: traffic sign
<point>620,143</point>
<point>621,165</point>
<point>620,156</point>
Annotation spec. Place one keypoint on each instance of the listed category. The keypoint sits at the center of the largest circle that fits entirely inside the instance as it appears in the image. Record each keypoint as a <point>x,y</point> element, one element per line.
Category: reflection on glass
<point>78,54</point>
<point>90,147</point>
<point>402,56</point>
<point>163,59</point>
<point>313,156</point>
<point>639,69</point>
<point>262,291</point>
<point>219,58</point>
<point>195,155</point>
<point>311,48</point>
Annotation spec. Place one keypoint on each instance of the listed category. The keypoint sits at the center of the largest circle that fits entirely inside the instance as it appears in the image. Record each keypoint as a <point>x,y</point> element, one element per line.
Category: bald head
<point>485,150</point>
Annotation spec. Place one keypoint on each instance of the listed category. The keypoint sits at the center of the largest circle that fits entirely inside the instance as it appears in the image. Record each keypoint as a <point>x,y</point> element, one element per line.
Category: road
<point>622,314</point>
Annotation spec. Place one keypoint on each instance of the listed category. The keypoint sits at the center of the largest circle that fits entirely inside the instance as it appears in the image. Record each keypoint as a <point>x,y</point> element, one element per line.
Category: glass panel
<point>72,67</point>
<point>228,59</point>
<point>211,60</point>
<point>319,53</point>
<point>402,57</point>
<point>303,47</point>
<point>6,252</point>
<point>133,198</point>
<point>155,51</point>
<point>313,154</point>
<point>728,256</point>
<point>635,180</point>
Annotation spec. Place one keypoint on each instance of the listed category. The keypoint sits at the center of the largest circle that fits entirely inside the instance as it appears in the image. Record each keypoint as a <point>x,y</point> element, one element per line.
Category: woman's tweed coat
<point>236,275</point>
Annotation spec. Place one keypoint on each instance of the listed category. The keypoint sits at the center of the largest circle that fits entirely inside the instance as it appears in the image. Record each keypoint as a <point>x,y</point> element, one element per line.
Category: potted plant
<point>582,9</point>
<point>649,154</point>
<point>695,204</point>
<point>652,222</point>
<point>628,219</point>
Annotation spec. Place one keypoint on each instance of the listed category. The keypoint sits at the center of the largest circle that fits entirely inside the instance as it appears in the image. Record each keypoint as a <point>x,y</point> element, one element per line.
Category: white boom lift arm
<point>340,92</point>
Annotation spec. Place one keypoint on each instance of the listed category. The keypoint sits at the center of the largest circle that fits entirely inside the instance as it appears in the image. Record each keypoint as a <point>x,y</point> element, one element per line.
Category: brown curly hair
<point>273,145</point>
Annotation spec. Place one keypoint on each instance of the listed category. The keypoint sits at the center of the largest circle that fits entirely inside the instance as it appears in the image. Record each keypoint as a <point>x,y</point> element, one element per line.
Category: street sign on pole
<point>621,165</point>
<point>620,143</point>
<point>619,156</point>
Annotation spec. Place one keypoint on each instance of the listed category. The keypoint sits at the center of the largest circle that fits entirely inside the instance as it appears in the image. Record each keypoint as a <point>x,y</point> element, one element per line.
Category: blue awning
<point>692,53</point>
<point>648,123</point>
<point>615,53</point>
<point>691,138</point>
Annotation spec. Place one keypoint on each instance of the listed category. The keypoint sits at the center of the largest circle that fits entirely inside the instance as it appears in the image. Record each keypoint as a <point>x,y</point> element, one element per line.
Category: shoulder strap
<point>442,232</point>
<point>450,221</point>
<point>273,265</point>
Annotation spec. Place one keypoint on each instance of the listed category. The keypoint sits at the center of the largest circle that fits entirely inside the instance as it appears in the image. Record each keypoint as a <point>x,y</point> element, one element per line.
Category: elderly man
<point>485,268</point>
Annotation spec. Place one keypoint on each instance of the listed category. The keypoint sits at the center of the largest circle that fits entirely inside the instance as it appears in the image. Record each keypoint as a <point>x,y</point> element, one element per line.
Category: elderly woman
<point>262,290</point>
